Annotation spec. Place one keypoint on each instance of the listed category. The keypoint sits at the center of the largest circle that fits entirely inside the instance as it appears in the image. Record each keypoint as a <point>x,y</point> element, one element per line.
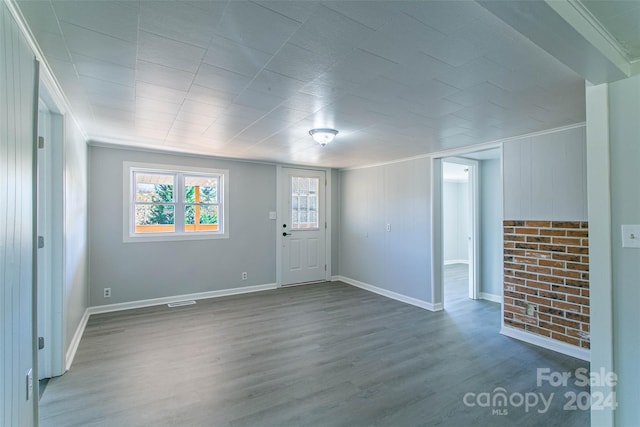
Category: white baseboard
<point>390,294</point>
<point>167,300</point>
<point>548,343</point>
<point>491,297</point>
<point>75,341</point>
<point>456,261</point>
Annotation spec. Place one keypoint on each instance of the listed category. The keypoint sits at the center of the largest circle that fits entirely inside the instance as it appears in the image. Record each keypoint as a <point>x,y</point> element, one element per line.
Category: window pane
<point>201,218</point>
<point>154,218</point>
<point>304,202</point>
<point>154,187</point>
<point>201,189</point>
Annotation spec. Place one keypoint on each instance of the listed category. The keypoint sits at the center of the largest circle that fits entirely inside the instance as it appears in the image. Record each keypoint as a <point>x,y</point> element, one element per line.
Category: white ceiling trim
<point>46,75</point>
<point>471,148</point>
<point>583,21</point>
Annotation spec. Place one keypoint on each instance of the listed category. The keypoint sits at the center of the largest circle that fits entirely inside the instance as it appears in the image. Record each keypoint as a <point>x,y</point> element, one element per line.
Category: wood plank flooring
<point>318,355</point>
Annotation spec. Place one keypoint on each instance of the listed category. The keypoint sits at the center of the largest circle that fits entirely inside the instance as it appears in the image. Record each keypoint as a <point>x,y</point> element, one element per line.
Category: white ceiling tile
<point>454,50</point>
<point>117,19</point>
<point>299,63</point>
<point>471,73</point>
<point>100,46</point>
<point>54,46</point>
<point>160,75</point>
<point>446,17</point>
<point>276,84</point>
<point>299,11</point>
<point>155,105</point>
<point>305,102</point>
<point>40,15</point>
<point>330,34</point>
<point>232,56</point>
<point>191,118</point>
<point>200,108</point>
<point>260,100</point>
<point>168,52</point>
<point>255,26</point>
<point>286,115</point>
<point>147,90</point>
<point>91,67</point>
<point>371,14</point>
<point>183,21</point>
<point>477,94</point>
<point>102,89</point>
<point>210,96</point>
<point>220,79</point>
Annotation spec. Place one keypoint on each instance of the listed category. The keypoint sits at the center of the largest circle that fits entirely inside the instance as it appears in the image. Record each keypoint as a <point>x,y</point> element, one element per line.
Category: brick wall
<point>546,279</point>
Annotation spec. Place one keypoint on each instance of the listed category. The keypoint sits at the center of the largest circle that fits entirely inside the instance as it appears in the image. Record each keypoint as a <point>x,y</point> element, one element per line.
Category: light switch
<point>272,215</point>
<point>631,236</point>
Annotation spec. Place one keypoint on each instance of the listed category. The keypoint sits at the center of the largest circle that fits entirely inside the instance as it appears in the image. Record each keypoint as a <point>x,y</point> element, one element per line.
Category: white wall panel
<point>545,177</point>
<point>17,93</point>
<point>399,195</point>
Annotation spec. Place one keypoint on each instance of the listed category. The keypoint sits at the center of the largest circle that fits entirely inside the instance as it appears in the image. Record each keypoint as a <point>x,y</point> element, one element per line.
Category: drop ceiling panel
<point>97,45</point>
<point>188,22</point>
<point>255,26</point>
<point>249,79</point>
<point>161,75</point>
<point>104,71</point>
<point>114,18</point>
<point>232,56</point>
<point>170,53</point>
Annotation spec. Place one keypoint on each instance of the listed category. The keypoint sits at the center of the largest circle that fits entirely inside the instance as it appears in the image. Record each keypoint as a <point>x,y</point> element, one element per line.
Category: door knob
<point>285,234</point>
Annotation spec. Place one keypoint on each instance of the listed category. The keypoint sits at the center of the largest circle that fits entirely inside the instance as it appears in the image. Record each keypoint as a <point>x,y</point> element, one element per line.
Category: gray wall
<point>490,227</point>
<point>75,240</point>
<point>335,222</point>
<point>397,194</point>
<point>624,125</point>
<point>17,93</point>
<point>545,177</point>
<point>455,221</point>
<point>138,271</point>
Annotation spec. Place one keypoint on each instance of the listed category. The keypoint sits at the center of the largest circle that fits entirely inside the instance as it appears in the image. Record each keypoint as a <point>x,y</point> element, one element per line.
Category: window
<point>174,203</point>
<point>304,203</point>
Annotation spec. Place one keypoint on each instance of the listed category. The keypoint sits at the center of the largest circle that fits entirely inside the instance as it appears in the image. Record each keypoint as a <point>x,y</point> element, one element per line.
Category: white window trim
<point>128,234</point>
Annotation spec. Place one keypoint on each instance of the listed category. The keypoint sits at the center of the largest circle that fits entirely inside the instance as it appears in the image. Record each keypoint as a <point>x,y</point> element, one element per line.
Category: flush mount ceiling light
<point>323,136</point>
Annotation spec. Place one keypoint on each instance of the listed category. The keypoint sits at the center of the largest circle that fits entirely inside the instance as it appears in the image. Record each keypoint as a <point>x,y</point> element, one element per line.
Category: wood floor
<point>318,355</point>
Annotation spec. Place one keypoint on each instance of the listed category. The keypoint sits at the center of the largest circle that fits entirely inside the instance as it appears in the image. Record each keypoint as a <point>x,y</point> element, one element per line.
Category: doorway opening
<point>50,220</point>
<point>457,231</point>
<point>467,223</point>
<point>460,220</point>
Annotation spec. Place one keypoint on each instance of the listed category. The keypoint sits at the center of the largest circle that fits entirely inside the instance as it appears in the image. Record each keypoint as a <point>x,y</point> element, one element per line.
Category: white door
<point>302,226</point>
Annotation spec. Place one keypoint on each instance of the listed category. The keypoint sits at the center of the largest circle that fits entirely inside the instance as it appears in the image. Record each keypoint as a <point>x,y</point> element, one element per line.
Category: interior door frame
<point>280,216</point>
<point>437,255</point>
<point>49,304</point>
<point>474,219</point>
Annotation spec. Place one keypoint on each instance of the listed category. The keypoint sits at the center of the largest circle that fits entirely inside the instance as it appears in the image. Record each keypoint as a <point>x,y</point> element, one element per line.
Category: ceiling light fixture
<point>323,136</point>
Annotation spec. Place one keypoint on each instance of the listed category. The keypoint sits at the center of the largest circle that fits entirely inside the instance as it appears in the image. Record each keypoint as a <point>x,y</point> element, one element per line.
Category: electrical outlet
<point>511,288</point>
<point>388,227</point>
<point>245,276</point>
<point>107,292</point>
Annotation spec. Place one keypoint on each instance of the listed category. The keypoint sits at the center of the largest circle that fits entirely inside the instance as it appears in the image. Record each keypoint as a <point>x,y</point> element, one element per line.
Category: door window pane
<point>304,203</point>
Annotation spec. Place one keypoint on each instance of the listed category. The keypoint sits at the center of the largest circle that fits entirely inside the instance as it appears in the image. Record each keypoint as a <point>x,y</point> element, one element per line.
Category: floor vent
<point>180,303</point>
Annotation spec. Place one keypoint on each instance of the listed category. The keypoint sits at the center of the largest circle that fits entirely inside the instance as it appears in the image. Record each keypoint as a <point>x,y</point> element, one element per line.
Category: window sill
<point>169,237</point>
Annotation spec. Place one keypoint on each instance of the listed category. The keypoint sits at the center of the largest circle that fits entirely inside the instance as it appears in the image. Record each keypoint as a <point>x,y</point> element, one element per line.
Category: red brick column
<point>546,279</point>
